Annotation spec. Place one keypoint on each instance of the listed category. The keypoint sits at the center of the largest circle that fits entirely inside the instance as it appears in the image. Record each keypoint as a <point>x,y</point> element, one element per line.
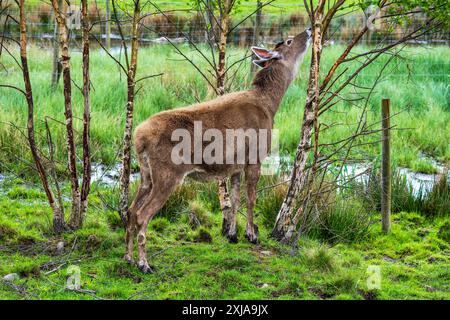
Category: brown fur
<point>254,108</point>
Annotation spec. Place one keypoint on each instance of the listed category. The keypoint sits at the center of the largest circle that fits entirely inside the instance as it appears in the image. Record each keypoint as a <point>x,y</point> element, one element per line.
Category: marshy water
<point>420,183</point>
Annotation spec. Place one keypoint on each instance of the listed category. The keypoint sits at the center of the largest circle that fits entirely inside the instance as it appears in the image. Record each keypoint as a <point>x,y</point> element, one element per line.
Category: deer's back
<point>240,110</point>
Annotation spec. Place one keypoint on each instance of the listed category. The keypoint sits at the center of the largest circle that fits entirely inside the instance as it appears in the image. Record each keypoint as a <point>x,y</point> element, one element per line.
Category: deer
<point>254,108</point>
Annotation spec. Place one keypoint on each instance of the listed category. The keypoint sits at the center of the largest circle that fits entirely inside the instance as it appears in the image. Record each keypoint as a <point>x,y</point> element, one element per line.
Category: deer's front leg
<point>252,173</point>
<point>229,221</point>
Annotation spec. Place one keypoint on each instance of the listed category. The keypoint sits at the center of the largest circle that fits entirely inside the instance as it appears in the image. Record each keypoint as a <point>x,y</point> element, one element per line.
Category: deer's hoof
<point>252,234</point>
<point>128,258</point>
<point>228,232</point>
<point>252,238</point>
<point>225,227</point>
<point>144,267</point>
<point>232,237</point>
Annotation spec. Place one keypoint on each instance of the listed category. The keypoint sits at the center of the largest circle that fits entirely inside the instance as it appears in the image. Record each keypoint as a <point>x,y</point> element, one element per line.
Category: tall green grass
<point>416,85</point>
<point>241,11</point>
<point>435,203</point>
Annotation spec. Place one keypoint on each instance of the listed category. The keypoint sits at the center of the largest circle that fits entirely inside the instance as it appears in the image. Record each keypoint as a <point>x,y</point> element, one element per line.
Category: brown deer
<point>249,109</point>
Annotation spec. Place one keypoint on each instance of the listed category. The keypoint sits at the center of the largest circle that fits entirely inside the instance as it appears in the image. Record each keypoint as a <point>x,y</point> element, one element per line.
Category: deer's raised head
<point>285,58</point>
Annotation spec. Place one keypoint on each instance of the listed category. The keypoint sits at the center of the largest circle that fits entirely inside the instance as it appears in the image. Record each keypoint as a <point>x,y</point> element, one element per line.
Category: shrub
<point>198,215</point>
<point>24,193</point>
<point>202,235</point>
<point>444,232</point>
<point>345,220</point>
<point>437,202</point>
<point>159,224</point>
<point>403,197</point>
<point>269,200</point>
<point>434,203</point>
<point>319,258</point>
<point>178,202</point>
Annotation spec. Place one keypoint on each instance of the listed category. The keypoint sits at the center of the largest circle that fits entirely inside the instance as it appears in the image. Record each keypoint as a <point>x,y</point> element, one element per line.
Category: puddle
<point>421,183</point>
<point>2,189</point>
<point>360,172</point>
<point>105,175</point>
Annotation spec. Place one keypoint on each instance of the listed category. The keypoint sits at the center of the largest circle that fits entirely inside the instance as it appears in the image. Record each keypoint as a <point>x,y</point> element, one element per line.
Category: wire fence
<point>181,22</point>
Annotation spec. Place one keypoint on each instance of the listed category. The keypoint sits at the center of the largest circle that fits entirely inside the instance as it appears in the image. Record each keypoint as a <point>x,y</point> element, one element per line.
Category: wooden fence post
<point>385,167</point>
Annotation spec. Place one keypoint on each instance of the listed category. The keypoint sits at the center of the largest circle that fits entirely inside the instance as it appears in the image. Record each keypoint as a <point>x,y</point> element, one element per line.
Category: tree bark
<point>285,224</point>
<point>224,196</point>
<point>224,25</point>
<point>58,217</point>
<point>86,182</point>
<point>126,155</point>
<point>108,26</point>
<point>75,216</point>
<point>209,20</point>
<point>56,73</point>
<point>257,31</point>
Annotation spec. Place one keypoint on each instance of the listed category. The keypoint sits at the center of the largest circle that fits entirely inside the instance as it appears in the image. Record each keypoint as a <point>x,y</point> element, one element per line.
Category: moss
<point>270,200</point>
<point>203,235</point>
<point>113,219</point>
<point>7,232</point>
<point>444,232</point>
<point>198,215</point>
<point>423,166</point>
<point>320,258</point>
<point>159,224</point>
<point>201,264</point>
<point>19,192</point>
<point>412,217</point>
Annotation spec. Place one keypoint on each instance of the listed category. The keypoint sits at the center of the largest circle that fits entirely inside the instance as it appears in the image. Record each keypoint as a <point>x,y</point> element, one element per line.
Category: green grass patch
<point>199,263</point>
<point>417,87</point>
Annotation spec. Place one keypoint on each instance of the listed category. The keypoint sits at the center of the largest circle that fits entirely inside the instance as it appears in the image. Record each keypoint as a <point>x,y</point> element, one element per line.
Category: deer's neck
<point>272,84</point>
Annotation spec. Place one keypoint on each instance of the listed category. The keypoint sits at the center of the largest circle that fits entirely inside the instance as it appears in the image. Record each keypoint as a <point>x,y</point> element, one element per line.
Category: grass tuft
<point>320,258</point>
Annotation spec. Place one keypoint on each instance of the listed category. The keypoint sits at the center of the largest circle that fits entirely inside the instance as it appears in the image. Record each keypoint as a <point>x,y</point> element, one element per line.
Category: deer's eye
<point>289,42</point>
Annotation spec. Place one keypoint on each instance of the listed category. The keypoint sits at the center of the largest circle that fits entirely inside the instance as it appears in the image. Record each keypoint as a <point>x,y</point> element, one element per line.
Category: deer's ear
<point>265,53</point>
<point>263,63</point>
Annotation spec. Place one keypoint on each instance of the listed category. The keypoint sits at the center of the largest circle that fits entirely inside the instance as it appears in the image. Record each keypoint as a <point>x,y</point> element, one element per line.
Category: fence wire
<point>278,21</point>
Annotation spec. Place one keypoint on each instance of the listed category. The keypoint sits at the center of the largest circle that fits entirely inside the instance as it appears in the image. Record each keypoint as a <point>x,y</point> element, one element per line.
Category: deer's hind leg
<point>229,221</point>
<point>143,191</point>
<point>163,185</point>
<point>252,173</point>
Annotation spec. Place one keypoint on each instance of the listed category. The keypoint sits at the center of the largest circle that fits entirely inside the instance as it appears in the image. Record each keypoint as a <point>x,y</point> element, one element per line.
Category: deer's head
<point>288,53</point>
